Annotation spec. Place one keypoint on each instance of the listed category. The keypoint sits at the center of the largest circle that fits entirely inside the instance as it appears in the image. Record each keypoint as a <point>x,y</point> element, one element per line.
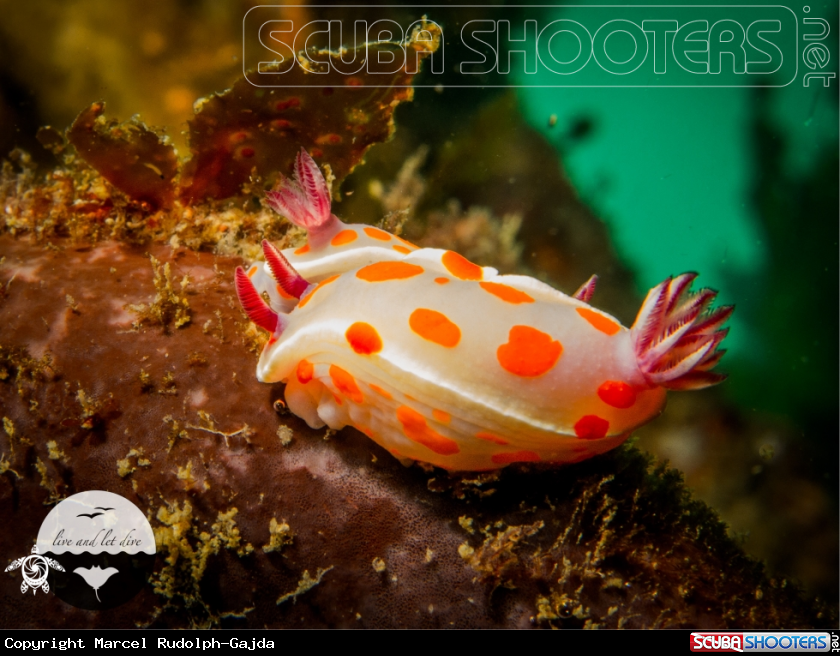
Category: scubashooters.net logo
<point>564,46</point>
<point>95,550</point>
<point>786,642</point>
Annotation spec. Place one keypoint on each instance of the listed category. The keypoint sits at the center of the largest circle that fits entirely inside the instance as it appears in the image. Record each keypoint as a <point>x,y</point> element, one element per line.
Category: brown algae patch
<point>168,306</point>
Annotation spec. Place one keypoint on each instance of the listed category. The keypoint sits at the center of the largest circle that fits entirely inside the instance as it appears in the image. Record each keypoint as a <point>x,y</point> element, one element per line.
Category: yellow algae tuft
<point>146,384</point>
<point>16,364</point>
<point>6,466</point>
<point>9,427</point>
<point>184,473</point>
<point>124,465</point>
<point>168,385</point>
<point>175,432</point>
<point>498,552</point>
<point>279,535</point>
<point>168,307</point>
<point>466,523</point>
<point>51,486</point>
<point>14,437</point>
<point>228,533</point>
<point>285,434</point>
<point>54,452</point>
<point>305,584</point>
<point>186,550</point>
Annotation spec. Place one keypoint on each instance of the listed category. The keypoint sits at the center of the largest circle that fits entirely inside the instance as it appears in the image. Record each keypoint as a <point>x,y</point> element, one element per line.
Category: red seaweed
<point>135,159</point>
<point>254,129</point>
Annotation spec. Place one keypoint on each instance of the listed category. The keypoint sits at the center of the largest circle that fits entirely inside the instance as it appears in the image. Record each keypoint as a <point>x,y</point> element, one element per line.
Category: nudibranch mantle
<point>442,361</point>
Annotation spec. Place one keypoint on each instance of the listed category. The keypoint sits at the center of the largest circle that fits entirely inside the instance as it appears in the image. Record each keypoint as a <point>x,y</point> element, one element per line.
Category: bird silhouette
<point>91,515</point>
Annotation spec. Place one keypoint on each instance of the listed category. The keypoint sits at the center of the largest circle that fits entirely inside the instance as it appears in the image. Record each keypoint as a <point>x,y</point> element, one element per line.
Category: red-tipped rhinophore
<point>585,291</point>
<point>675,336</point>
<point>305,201</point>
<point>283,272</point>
<point>255,307</point>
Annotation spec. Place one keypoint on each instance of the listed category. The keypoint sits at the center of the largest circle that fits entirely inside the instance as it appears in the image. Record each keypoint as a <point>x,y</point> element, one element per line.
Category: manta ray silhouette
<point>95,577</point>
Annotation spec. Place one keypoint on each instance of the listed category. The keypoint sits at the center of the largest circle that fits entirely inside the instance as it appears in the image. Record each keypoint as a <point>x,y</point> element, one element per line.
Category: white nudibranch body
<point>442,361</point>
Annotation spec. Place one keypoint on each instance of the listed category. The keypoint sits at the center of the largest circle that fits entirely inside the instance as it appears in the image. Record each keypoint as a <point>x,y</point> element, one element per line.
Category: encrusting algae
<point>344,532</point>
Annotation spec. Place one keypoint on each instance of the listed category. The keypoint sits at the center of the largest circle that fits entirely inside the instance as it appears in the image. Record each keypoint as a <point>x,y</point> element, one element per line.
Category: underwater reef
<point>126,365</point>
<point>129,368</point>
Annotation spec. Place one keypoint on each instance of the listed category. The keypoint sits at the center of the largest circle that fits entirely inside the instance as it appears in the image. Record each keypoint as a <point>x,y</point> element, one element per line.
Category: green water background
<point>737,184</point>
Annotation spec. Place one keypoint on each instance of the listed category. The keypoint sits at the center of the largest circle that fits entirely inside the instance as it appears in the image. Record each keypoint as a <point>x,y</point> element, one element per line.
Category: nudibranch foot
<point>675,336</point>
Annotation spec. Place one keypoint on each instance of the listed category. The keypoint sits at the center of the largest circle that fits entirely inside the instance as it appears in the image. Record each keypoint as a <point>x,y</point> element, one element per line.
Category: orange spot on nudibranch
<point>346,384</point>
<point>461,267</point>
<point>434,327</point>
<point>363,338</point>
<point>528,352</point>
<point>507,293</point>
<point>441,281</point>
<point>303,250</point>
<point>441,416</point>
<point>591,427</point>
<point>417,430</point>
<point>382,271</point>
<point>284,294</point>
<point>344,237</point>
<point>305,371</point>
<point>490,437</point>
<point>405,243</point>
<point>516,456</point>
<point>599,321</point>
<point>323,283</point>
<point>376,233</point>
<point>401,249</point>
<point>380,391</point>
<point>252,271</point>
<point>617,394</point>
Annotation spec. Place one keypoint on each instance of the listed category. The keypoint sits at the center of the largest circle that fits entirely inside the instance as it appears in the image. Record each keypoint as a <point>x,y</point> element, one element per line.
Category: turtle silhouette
<point>35,569</point>
<point>96,577</point>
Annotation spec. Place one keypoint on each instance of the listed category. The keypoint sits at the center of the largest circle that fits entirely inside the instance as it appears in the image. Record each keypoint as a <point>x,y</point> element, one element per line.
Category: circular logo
<point>104,545</point>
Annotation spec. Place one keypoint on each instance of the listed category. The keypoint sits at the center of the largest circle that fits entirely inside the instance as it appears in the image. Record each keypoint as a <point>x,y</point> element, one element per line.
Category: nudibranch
<point>442,361</point>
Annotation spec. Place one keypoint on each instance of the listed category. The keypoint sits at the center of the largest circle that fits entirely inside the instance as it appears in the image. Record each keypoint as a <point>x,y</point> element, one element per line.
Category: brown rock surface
<point>99,396</point>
